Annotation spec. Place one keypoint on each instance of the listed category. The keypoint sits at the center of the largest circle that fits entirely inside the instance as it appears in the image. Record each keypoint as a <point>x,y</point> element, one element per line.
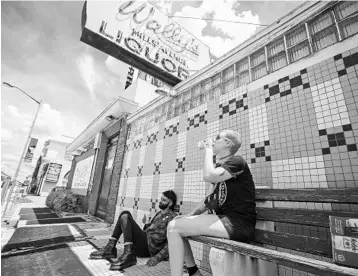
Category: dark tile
<point>232,101</point>
<point>342,73</point>
<point>232,112</point>
<point>347,127</point>
<point>239,104</point>
<point>341,142</point>
<point>337,57</point>
<point>274,90</point>
<point>332,143</point>
<point>331,137</point>
<point>296,81</point>
<point>268,158</point>
<point>252,146</point>
<point>306,85</point>
<point>266,86</point>
<point>352,147</point>
<point>304,71</point>
<point>245,95</point>
<point>267,143</point>
<point>267,99</point>
<point>350,60</point>
<point>253,160</point>
<point>340,135</point>
<point>280,80</point>
<point>326,151</point>
<point>225,109</point>
<point>322,132</point>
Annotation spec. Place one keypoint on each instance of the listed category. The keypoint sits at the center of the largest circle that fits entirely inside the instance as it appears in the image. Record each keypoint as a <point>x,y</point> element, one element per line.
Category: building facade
<point>53,166</point>
<point>98,155</point>
<point>291,90</point>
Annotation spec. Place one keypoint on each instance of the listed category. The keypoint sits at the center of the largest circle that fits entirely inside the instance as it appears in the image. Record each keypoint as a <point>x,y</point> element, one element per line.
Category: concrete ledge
<point>225,263</point>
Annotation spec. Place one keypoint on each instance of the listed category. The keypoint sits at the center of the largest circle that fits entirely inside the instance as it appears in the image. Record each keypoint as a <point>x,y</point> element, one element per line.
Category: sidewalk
<point>36,233</point>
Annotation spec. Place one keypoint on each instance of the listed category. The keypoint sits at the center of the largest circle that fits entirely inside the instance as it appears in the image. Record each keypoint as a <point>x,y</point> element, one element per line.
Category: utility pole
<point>14,182</point>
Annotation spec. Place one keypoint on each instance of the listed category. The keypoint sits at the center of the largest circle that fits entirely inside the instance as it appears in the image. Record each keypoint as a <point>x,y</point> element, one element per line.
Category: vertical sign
<point>30,150</point>
<point>53,172</point>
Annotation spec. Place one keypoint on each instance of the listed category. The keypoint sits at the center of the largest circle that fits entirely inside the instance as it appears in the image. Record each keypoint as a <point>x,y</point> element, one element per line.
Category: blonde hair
<point>235,138</point>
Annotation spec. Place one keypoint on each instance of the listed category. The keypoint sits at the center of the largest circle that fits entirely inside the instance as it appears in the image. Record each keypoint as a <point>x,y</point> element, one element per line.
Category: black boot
<point>109,251</point>
<point>126,260</point>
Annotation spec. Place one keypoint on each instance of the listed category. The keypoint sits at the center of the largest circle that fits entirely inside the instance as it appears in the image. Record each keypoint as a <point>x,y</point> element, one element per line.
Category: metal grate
<point>229,86</point>
<point>324,39</point>
<point>345,9</point>
<point>277,61</point>
<point>296,36</point>
<point>216,80</point>
<point>259,71</point>
<point>258,57</point>
<point>242,79</point>
<point>299,51</point>
<point>228,73</point>
<point>242,65</point>
<point>349,27</point>
<point>275,47</point>
<point>321,22</point>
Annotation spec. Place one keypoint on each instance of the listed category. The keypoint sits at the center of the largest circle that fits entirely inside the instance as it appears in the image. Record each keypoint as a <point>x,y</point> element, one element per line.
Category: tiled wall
<point>300,131</point>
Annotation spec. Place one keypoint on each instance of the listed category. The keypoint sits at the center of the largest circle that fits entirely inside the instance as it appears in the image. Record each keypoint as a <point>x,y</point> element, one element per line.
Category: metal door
<point>106,179</point>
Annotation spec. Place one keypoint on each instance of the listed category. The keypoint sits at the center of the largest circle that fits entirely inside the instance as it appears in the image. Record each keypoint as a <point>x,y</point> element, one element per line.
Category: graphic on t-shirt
<point>222,190</point>
<point>217,198</point>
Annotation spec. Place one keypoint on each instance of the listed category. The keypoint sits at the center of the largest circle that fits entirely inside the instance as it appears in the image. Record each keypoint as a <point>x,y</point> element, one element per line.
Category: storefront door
<point>106,179</point>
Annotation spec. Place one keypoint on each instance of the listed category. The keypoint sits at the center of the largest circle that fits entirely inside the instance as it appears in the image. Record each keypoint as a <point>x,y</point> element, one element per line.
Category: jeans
<point>131,233</point>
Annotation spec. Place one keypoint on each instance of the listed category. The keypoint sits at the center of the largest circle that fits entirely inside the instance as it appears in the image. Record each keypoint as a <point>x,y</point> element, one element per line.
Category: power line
<point>222,20</point>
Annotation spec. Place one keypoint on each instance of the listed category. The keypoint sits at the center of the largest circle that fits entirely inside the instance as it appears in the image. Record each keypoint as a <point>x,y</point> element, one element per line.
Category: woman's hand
<point>208,143</point>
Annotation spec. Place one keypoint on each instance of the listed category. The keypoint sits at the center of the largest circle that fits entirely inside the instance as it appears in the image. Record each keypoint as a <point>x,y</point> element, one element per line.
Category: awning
<point>118,109</point>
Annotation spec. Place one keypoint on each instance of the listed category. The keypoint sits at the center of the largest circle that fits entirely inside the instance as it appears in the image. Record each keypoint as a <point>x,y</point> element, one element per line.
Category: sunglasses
<point>218,137</point>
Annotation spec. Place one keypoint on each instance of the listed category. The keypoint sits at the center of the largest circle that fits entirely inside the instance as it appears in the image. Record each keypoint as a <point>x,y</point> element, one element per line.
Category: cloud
<point>86,67</point>
<point>221,37</point>
<point>6,135</point>
<point>164,6</point>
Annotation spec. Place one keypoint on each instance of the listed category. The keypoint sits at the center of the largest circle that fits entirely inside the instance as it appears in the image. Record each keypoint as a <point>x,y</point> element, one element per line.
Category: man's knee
<point>172,227</point>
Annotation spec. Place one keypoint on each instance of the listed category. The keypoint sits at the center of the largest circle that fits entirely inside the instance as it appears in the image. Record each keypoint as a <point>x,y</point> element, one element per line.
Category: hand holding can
<point>205,143</point>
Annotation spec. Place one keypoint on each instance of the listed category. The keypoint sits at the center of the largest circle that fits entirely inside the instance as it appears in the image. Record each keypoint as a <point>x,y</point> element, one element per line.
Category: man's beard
<point>163,206</point>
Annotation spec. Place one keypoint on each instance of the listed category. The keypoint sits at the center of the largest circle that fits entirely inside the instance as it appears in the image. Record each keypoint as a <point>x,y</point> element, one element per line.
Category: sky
<point>42,54</point>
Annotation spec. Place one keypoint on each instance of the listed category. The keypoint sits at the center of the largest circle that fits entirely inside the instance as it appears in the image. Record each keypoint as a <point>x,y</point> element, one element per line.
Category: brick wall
<point>299,130</point>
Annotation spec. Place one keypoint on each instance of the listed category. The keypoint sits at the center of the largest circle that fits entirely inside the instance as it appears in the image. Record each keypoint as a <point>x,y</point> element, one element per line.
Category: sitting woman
<point>230,205</point>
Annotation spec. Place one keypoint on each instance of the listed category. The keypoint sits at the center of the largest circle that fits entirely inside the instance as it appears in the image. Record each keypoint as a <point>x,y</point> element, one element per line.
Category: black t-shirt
<point>234,197</point>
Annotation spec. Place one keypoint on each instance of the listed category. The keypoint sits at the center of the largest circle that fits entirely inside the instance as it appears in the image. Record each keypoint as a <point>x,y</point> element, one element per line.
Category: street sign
<point>53,172</point>
<point>138,34</point>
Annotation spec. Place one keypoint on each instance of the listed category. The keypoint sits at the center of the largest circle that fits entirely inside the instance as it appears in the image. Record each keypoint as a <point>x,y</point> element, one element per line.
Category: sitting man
<point>231,204</point>
<point>149,242</point>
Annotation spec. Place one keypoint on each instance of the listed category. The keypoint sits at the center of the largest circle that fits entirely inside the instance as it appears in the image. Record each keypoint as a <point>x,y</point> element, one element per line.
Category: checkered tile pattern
<point>152,138</point>
<point>298,131</point>
<point>197,120</point>
<point>233,106</point>
<point>171,130</point>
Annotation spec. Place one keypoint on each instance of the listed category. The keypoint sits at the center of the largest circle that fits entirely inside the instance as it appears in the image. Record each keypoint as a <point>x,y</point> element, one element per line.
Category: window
<point>242,72</point>
<point>297,44</point>
<point>215,90</point>
<point>195,91</point>
<point>258,64</point>
<point>206,85</point>
<point>276,54</point>
<point>347,18</point>
<point>216,80</point>
<point>228,78</point>
<point>323,31</point>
